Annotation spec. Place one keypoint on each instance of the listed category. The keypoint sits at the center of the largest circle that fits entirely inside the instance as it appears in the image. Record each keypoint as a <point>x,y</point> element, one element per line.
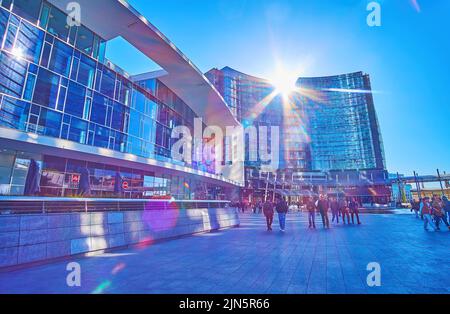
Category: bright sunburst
<point>284,82</point>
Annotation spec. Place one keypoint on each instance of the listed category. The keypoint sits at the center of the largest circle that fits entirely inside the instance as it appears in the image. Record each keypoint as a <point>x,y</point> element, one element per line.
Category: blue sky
<point>408,57</point>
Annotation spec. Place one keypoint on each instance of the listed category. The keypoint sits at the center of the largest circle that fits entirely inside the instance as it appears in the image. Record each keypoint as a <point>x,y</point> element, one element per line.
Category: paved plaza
<point>249,259</point>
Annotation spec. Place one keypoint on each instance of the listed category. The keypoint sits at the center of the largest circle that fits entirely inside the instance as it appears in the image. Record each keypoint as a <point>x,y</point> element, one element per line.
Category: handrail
<point>106,200</point>
<point>28,205</point>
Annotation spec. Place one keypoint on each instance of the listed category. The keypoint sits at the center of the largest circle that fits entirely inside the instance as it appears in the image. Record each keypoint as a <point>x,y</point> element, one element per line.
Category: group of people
<point>323,205</point>
<point>432,211</point>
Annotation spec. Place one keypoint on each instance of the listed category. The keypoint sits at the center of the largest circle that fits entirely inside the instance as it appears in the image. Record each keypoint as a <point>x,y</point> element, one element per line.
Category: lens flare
<point>161,216</point>
<point>102,287</point>
<point>118,268</point>
<point>416,5</point>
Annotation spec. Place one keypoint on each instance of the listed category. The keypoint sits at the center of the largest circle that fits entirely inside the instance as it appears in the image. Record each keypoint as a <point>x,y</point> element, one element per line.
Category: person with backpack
<point>268,213</point>
<point>311,208</point>
<point>282,209</point>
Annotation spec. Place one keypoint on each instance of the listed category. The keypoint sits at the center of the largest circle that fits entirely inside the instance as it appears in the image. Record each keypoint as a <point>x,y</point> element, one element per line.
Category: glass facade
<point>55,81</point>
<point>329,142</point>
<point>342,125</point>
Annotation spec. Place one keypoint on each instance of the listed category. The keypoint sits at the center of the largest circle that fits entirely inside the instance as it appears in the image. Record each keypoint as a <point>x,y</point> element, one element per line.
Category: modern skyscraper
<point>330,138</point>
<point>343,124</point>
<point>66,108</point>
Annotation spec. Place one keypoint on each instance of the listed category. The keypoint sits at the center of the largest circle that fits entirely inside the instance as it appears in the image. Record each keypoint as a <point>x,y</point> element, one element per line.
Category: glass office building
<point>342,124</point>
<point>64,105</point>
<point>330,138</point>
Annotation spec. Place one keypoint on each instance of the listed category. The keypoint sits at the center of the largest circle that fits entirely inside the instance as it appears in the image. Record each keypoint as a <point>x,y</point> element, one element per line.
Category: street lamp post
<point>440,181</point>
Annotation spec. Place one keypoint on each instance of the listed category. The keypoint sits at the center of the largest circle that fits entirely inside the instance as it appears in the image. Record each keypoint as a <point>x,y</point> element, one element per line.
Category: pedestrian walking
<point>354,210</point>
<point>311,208</point>
<point>343,208</point>
<point>282,209</point>
<point>334,205</point>
<point>322,206</point>
<point>268,213</point>
<point>426,212</point>
<point>438,213</point>
<point>446,203</point>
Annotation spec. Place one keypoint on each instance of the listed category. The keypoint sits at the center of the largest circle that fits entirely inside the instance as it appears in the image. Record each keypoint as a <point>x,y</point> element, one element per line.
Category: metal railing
<point>33,205</point>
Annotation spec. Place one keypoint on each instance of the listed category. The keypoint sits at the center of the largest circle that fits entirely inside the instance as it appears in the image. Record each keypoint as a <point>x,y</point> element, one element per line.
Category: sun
<point>284,83</point>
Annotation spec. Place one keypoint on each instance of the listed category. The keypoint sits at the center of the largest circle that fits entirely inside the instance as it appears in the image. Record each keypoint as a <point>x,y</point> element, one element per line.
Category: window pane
<point>86,71</point>
<point>108,83</point>
<point>28,9</point>
<point>85,40</point>
<point>78,131</point>
<point>3,22</point>
<point>49,122</point>
<point>61,58</point>
<point>98,113</point>
<point>47,85</point>
<point>14,113</point>
<point>12,75</point>
<point>101,137</point>
<point>29,42</point>
<point>118,118</point>
<point>75,99</point>
<point>57,24</point>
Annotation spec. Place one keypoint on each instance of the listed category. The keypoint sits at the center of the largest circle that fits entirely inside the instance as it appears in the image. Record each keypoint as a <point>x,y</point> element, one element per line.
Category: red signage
<point>125,185</point>
<point>75,178</point>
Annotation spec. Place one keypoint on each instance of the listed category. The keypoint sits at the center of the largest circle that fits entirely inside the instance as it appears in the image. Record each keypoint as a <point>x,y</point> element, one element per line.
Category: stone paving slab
<point>249,259</point>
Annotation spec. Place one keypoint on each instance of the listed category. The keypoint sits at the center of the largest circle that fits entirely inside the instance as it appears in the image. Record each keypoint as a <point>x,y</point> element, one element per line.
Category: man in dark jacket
<point>282,209</point>
<point>311,208</point>
<point>446,207</point>
<point>322,206</point>
<point>268,212</point>
<point>354,210</point>
<point>334,205</point>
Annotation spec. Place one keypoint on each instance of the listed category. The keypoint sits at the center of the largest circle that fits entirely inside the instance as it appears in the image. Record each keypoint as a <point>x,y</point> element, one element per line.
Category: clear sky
<point>408,57</point>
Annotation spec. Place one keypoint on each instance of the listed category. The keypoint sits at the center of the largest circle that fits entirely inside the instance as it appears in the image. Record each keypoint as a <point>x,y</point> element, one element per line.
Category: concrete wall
<point>32,238</point>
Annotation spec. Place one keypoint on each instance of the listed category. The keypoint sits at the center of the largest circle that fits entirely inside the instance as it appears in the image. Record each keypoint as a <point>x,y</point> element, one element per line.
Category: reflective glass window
<point>75,99</point>
<point>29,42</point>
<point>57,24</point>
<point>61,58</point>
<point>28,9</point>
<point>14,113</point>
<point>12,75</point>
<point>101,137</point>
<point>78,130</point>
<point>85,40</point>
<point>108,83</point>
<point>98,113</point>
<point>49,122</point>
<point>86,71</point>
<point>118,118</point>
<point>47,87</point>
<point>3,23</point>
